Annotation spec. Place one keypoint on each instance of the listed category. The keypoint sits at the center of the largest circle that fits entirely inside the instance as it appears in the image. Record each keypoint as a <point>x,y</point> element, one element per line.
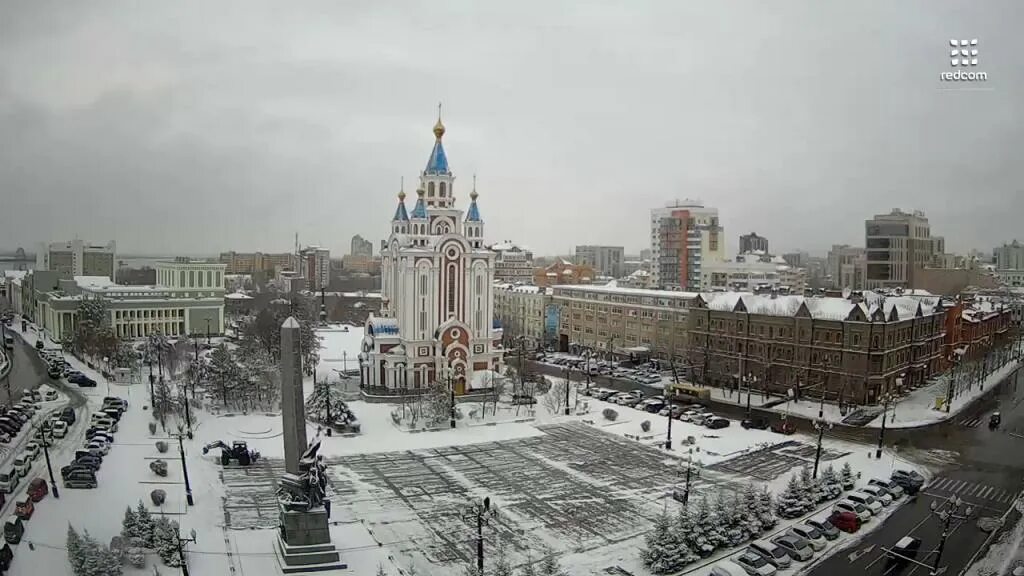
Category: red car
<point>845,521</point>
<point>783,427</point>
<point>37,489</point>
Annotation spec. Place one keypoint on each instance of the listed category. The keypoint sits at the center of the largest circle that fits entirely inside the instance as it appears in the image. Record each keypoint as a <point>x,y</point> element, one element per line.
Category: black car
<point>716,422</point>
<point>654,407</point>
<point>902,554</point>
<point>68,415</point>
<point>83,453</point>
<point>9,428</point>
<point>73,467</point>
<point>115,400</point>
<point>82,380</point>
<point>825,527</point>
<point>909,480</point>
<point>55,372</point>
<point>89,461</point>
<point>755,423</point>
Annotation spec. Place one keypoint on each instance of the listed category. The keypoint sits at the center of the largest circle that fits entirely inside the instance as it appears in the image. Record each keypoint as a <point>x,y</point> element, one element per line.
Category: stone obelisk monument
<point>293,409</point>
<point>304,536</point>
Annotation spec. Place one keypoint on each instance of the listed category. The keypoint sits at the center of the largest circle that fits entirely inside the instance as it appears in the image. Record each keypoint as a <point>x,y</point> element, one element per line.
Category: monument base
<point>304,543</point>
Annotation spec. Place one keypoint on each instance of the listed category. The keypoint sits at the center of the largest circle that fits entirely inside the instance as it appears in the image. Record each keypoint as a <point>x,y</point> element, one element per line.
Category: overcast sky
<point>198,127</point>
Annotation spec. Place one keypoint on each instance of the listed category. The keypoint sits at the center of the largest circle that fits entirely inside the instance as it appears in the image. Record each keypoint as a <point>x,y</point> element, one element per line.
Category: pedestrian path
<point>971,422</point>
<point>971,491</point>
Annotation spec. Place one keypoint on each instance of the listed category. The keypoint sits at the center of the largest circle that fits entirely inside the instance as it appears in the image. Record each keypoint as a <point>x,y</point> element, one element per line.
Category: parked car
<point>775,555</point>
<point>652,405</point>
<point>605,393</point>
<point>72,468</point>
<point>100,446</point>
<point>894,489</point>
<point>909,480</point>
<point>115,400</point>
<point>857,508</point>
<point>83,381</point>
<point>86,453</point>
<point>716,422</point>
<point>867,500</point>
<point>880,494</point>
<point>813,536</point>
<point>701,419</point>
<point>24,507</point>
<point>32,449</point>
<point>783,427</point>
<point>689,415</point>
<point>54,371</point>
<point>755,564</point>
<point>6,555</point>
<point>826,527</point>
<point>68,415</point>
<point>37,489</point>
<point>9,479</point>
<point>80,479</point>
<point>59,429</point>
<point>102,436</point>
<point>728,568</point>
<point>675,410</point>
<point>17,415</point>
<point>13,529</point>
<point>754,423</point>
<point>795,546</point>
<point>22,464</point>
<point>10,426</point>
<point>900,555</point>
<point>91,461</point>
<point>71,375</point>
<point>50,395</point>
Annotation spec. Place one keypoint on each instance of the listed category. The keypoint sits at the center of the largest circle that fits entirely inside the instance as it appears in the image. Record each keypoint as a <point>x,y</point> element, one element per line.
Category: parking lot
<point>576,488</point>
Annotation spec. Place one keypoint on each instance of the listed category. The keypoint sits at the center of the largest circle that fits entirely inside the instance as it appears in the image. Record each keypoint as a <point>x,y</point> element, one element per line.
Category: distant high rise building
<point>361,247</point>
<point>895,245</point>
<point>315,266</point>
<point>251,262</point>
<point>1010,256</point>
<point>753,243</point>
<point>845,266</point>
<point>78,258</point>
<point>606,260</point>
<point>684,234</point>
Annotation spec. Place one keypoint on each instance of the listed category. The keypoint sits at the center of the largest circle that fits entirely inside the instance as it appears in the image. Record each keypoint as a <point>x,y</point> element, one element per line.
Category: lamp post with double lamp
<point>751,380</point>
<point>947,511</point>
<point>820,425</point>
<point>481,511</point>
<point>47,434</point>
<point>886,398</point>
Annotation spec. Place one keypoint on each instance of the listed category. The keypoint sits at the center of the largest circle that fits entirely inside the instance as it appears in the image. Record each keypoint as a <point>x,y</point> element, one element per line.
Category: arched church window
<point>451,288</point>
<point>423,284</point>
<point>442,186</point>
<point>430,189</point>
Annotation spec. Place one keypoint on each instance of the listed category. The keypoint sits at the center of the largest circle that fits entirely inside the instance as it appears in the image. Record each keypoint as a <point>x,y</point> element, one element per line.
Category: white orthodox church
<point>436,320</point>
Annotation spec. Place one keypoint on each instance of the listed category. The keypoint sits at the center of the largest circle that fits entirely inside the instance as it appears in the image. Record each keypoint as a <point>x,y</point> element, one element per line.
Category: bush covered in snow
<point>645,425</point>
<point>609,414</point>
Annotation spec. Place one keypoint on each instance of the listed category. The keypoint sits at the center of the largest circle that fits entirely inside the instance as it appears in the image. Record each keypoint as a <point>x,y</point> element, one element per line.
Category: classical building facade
<point>513,264</point>
<point>623,322</point>
<point>522,311</point>
<point>437,307</point>
<point>847,350</point>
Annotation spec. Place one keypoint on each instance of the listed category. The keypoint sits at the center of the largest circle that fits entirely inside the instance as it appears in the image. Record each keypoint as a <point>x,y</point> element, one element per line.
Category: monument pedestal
<point>304,543</point>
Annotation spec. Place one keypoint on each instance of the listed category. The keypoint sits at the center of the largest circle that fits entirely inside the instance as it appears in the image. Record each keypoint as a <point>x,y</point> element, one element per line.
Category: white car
<point>813,536</point>
<point>100,446</point>
<point>860,510</point>
<point>894,489</point>
<point>755,564</point>
<point>60,429</point>
<point>50,395</point>
<point>22,464</point>
<point>9,479</point>
<point>32,450</point>
<point>867,500</point>
<point>623,397</point>
<point>689,415</point>
<point>880,494</point>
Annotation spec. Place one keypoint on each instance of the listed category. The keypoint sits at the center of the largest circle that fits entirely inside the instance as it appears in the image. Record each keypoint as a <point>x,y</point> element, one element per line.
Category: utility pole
<point>184,469</point>
<point>689,467</point>
<point>881,431</point>
<point>451,387</point>
<point>47,427</point>
<point>181,551</point>
<point>568,384</point>
<point>820,426</point>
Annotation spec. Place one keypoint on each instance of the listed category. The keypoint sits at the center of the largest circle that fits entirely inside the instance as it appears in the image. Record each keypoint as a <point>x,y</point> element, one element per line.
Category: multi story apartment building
<point>315,267</point>
<point>522,312</point>
<point>563,272</point>
<point>188,299</point>
<point>78,258</point>
<point>753,243</point>
<point>683,236</point>
<point>845,350</point>
<point>1010,256</point>
<point>605,260</point>
<point>361,247</point>
<point>896,245</point>
<point>623,322</point>
<point>747,273</point>
<point>513,264</point>
<point>845,266</point>
<point>251,262</point>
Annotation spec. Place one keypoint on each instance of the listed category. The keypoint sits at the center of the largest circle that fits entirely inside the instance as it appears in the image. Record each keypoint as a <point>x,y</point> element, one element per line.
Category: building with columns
<point>188,299</point>
<point>437,307</point>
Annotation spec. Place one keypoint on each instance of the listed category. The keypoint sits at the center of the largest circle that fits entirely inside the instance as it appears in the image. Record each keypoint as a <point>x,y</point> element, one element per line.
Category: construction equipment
<point>238,450</point>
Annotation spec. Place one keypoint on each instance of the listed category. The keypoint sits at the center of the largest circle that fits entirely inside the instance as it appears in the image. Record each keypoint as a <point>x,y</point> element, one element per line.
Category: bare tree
<point>554,400</point>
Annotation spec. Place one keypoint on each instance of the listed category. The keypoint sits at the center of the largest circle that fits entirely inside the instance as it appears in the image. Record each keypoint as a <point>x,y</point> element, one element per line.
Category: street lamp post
<point>568,384</point>
<point>881,431</point>
<point>482,512</point>
<point>207,331</point>
<point>689,468</point>
<point>181,551</point>
<point>948,512</point>
<point>820,425</point>
<point>184,470</point>
<point>668,441</point>
<point>47,429</point>
<point>451,388</point>
<point>106,378</point>
<point>751,379</point>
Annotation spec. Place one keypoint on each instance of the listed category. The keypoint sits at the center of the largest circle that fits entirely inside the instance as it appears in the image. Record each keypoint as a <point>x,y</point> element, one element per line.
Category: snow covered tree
<point>831,486</point>
<point>130,523</point>
<point>663,551</point>
<point>76,553</point>
<point>765,509</point>
<point>380,570</point>
<point>554,400</point>
<point>167,546</point>
<point>792,502</point>
<point>704,536</point>
<point>265,330</point>
<point>438,403</point>
<point>808,488</point>
<point>136,557</point>
<point>729,511</point>
<point>223,372</point>
<point>683,527</point>
<point>846,475</point>
<point>96,559</point>
<point>145,525</point>
<point>750,516</point>
<point>502,567</point>
<point>157,348</point>
<point>549,564</point>
<point>317,404</point>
